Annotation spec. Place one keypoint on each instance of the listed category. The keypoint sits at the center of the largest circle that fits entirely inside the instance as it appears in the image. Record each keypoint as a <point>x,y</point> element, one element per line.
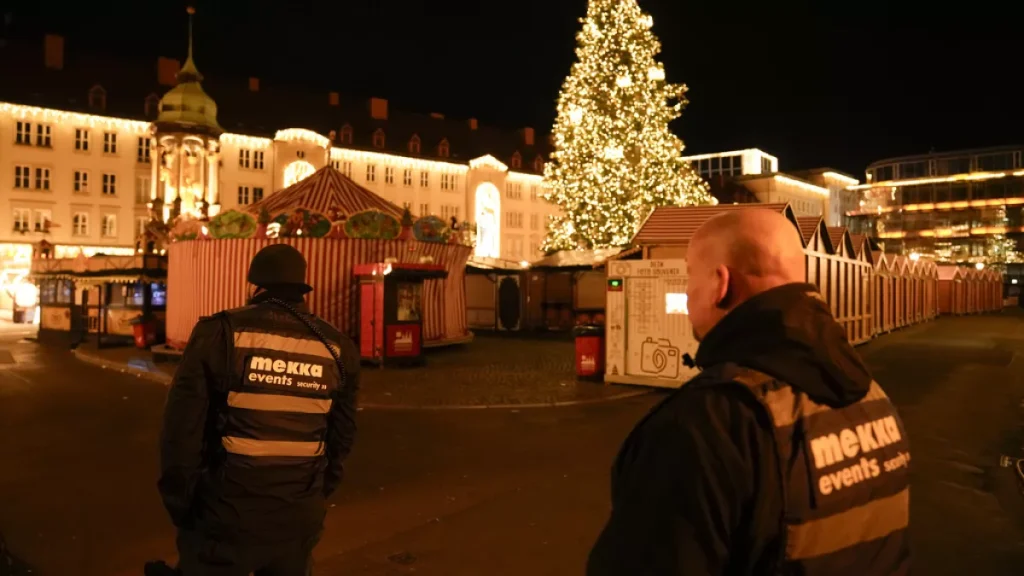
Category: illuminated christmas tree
<point>615,158</point>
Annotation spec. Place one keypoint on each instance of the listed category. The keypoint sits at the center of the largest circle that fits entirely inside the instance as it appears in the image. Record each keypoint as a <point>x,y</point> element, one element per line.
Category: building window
<point>140,225</point>
<point>414,144</point>
<point>444,181</point>
<point>80,224</point>
<point>257,194</point>
<point>42,178</point>
<point>453,182</point>
<point>533,193</point>
<point>243,195</point>
<point>81,139</point>
<point>41,220</point>
<point>534,219</point>
<point>144,149</point>
<point>346,169</point>
<point>514,219</point>
<point>378,138</point>
<point>97,98</point>
<point>389,175</point>
<point>514,191</point>
<point>109,225</point>
<point>143,193</point>
<point>43,135</point>
<point>109,184</point>
<point>81,182</point>
<point>345,136</point>
<point>538,164</point>
<point>517,161</point>
<point>407,177</point>
<point>23,133</point>
<point>424,210</point>
<point>21,176</point>
<point>424,179</point>
<point>244,158</point>
<point>21,219</point>
<point>257,159</point>
<point>443,149</point>
<point>371,173</point>
<point>109,143</point>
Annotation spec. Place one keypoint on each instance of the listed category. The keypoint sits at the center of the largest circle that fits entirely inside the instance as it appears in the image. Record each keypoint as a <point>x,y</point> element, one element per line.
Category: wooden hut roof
<point>842,244</point>
<point>901,265</point>
<point>808,225</point>
<point>947,272</point>
<point>675,225</point>
<point>862,248</point>
<point>323,191</point>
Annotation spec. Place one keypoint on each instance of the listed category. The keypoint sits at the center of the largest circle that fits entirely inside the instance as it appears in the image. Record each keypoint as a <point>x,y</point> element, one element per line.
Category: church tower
<point>186,145</point>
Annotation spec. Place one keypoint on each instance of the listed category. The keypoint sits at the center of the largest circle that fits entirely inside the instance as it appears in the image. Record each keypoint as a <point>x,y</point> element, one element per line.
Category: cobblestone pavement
<point>498,492</point>
<point>493,370</point>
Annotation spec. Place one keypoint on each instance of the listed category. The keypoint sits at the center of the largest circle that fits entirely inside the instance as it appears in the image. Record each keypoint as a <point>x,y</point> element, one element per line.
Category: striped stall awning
<point>205,277</point>
<point>322,191</point>
<point>675,225</point>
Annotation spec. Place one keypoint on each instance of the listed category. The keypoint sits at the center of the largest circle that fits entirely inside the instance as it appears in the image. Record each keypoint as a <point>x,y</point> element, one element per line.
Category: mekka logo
<point>848,443</point>
<point>286,367</point>
<point>263,370</point>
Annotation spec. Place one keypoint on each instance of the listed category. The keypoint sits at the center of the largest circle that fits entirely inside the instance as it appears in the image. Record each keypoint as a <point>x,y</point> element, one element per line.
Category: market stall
<point>852,273</point>
<point>101,296</point>
<point>952,290</point>
<point>567,288</point>
<point>496,296</point>
<point>336,224</point>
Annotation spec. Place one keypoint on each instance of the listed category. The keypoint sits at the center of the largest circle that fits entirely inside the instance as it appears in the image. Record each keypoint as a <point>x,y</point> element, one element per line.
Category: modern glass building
<point>960,207</point>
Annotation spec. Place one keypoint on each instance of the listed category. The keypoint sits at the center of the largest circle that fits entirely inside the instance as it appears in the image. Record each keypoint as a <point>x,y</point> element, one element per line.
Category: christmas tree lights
<point>615,159</point>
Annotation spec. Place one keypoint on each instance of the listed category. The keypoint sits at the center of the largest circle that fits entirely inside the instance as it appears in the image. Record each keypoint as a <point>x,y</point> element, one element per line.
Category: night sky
<point>834,83</point>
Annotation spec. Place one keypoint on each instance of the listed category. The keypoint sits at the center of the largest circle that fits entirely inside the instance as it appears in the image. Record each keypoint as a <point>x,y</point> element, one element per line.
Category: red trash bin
<point>589,352</point>
<point>144,331</point>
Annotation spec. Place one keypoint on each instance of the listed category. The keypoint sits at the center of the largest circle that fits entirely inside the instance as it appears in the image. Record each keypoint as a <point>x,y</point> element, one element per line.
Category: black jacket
<point>695,487</point>
<point>194,486</point>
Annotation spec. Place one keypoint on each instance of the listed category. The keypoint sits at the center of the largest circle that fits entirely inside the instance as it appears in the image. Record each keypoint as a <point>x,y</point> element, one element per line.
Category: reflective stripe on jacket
<point>845,480</point>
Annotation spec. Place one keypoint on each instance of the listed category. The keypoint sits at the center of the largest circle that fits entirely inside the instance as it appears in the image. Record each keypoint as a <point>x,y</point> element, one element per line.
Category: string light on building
<point>243,141</point>
<point>366,157</point>
<point>802,185</point>
<point>302,135</point>
<point>50,116</point>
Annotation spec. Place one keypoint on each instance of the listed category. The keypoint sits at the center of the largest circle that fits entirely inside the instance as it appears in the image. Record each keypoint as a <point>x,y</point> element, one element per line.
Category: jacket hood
<point>789,334</point>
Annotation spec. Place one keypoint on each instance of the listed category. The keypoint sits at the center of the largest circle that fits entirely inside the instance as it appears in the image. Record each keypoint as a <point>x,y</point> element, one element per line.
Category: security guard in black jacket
<point>259,420</point>
<point>783,456</point>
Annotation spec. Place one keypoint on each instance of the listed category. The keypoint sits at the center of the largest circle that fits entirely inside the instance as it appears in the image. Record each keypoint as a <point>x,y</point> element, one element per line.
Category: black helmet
<point>279,265</point>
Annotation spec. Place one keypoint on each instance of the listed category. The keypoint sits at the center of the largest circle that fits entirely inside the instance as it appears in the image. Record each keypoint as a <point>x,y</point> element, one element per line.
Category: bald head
<point>736,256</point>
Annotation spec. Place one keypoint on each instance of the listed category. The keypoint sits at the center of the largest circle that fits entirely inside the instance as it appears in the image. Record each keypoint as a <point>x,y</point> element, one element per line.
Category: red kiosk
<point>390,310</point>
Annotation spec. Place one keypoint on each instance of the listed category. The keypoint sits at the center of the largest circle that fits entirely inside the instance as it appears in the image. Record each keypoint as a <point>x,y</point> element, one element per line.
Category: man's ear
<point>723,289</point>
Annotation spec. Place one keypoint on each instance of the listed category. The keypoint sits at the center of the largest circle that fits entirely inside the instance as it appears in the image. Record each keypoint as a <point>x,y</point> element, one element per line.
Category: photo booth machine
<point>648,327</point>
<point>391,310</point>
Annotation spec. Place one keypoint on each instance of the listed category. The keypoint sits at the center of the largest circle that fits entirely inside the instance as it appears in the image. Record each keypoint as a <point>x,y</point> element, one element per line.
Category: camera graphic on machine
<point>659,357</point>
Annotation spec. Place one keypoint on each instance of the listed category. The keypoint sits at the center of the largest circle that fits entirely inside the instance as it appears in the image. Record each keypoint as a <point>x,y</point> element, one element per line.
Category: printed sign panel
<point>403,340</point>
<point>649,329</point>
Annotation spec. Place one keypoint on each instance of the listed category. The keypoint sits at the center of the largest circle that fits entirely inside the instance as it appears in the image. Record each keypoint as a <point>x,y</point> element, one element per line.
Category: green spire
<point>189,72</point>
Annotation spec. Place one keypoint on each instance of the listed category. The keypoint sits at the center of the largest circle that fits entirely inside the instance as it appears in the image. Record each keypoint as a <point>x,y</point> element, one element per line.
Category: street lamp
<point>980,265</point>
<point>914,256</point>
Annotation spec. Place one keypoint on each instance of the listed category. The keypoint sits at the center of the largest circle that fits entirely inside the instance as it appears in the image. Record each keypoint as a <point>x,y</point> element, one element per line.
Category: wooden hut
<point>928,276</point>
<point>901,275</point>
<point>567,288</point>
<point>865,307</point>
<point>850,279</point>
<point>951,291</point>
<point>884,293</point>
<point>817,246</point>
<point>666,232</point>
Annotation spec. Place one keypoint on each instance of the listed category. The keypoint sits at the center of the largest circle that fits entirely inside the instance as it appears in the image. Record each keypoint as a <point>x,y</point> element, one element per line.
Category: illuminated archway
<point>297,171</point>
<point>488,221</point>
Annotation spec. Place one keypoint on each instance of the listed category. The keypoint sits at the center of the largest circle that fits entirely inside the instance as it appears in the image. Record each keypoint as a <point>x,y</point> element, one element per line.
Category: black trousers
<point>201,555</point>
